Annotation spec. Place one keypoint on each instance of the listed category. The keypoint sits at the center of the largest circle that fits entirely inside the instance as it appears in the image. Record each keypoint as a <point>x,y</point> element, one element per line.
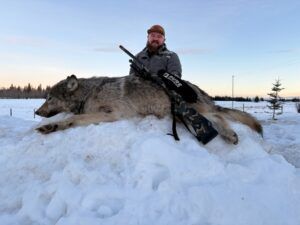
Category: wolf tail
<point>242,117</point>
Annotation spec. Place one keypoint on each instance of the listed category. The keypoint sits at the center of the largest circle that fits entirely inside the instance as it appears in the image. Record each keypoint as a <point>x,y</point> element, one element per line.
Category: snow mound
<point>131,172</point>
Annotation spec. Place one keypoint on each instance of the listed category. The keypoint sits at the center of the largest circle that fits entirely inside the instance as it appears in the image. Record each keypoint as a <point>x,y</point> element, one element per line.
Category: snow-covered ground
<point>131,172</point>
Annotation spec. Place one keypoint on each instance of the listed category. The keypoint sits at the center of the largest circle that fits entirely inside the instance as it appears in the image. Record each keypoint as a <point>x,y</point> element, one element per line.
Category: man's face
<point>155,40</point>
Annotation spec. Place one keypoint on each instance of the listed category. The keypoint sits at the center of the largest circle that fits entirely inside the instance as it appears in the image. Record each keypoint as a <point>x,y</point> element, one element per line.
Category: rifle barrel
<point>127,52</point>
<point>135,59</point>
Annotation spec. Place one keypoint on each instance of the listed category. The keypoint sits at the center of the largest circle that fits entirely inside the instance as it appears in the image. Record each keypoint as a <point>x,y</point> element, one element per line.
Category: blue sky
<point>43,41</point>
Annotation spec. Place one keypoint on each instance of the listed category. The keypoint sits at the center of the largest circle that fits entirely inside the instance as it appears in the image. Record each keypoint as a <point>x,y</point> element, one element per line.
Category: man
<point>155,56</point>
<point>157,59</point>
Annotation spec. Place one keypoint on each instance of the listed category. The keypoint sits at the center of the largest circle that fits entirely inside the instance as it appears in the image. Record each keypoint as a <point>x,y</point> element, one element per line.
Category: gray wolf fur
<point>107,99</point>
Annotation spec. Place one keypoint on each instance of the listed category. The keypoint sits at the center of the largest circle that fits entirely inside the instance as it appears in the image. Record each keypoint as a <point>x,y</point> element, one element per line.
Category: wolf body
<point>107,99</point>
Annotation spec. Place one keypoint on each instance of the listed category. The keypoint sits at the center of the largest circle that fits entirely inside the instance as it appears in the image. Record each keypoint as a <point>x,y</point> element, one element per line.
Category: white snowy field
<point>131,172</point>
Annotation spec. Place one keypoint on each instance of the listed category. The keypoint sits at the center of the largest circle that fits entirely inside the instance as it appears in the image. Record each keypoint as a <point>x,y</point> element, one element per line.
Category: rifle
<point>163,78</point>
<point>179,93</point>
<point>140,69</point>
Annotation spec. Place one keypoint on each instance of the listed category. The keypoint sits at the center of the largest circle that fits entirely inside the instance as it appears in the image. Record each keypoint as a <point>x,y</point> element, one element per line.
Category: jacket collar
<point>160,50</point>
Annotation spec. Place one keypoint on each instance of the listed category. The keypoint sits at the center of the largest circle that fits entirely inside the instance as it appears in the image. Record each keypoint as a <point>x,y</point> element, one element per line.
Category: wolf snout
<point>40,112</point>
<point>37,112</point>
<point>46,113</point>
<point>44,110</point>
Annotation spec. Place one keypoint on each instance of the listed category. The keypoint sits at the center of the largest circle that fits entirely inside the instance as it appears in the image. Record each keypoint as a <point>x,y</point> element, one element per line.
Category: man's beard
<point>153,49</point>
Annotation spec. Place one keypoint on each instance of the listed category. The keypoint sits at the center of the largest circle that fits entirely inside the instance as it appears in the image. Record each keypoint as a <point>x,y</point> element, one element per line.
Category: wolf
<point>108,99</point>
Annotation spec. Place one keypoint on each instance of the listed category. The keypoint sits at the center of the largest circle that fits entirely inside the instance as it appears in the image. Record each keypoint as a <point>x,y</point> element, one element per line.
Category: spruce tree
<point>275,101</point>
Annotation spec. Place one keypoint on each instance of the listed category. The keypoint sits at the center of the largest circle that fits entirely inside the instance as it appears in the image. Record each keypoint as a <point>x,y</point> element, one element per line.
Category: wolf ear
<point>72,83</point>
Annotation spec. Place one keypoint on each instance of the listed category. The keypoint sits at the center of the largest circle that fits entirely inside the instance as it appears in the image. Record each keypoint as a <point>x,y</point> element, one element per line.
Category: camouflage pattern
<point>202,128</point>
<point>197,124</point>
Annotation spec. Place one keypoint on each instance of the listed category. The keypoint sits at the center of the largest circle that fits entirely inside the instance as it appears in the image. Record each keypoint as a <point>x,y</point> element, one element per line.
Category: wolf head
<point>61,98</point>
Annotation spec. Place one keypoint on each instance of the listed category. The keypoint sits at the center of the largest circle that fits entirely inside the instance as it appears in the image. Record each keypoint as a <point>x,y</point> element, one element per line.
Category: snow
<point>131,172</point>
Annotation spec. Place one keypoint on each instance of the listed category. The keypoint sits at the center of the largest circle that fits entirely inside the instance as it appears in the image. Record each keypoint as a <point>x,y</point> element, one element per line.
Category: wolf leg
<point>220,124</point>
<point>78,120</point>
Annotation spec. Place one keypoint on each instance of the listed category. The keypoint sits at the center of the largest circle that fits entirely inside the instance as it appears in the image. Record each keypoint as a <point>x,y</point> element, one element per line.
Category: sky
<point>219,42</point>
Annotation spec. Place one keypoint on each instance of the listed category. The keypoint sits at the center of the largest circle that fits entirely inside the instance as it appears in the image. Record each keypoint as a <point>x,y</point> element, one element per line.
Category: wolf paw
<point>46,129</point>
<point>231,137</point>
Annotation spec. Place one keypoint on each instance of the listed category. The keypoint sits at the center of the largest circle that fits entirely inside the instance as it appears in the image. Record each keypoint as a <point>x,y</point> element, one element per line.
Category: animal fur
<point>106,99</point>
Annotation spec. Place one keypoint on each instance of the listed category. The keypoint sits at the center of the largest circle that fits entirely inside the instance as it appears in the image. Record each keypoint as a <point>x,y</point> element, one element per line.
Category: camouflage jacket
<point>163,60</point>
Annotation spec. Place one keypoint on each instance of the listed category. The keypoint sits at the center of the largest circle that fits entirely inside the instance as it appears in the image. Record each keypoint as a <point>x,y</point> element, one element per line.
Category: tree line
<point>28,91</point>
<point>237,99</point>
<point>248,99</point>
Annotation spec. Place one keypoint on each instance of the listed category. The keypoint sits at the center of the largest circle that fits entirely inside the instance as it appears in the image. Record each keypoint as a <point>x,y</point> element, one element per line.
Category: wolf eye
<point>49,98</point>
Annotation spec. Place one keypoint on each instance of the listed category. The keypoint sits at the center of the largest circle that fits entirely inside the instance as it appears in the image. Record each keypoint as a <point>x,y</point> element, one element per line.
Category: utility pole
<point>232,91</point>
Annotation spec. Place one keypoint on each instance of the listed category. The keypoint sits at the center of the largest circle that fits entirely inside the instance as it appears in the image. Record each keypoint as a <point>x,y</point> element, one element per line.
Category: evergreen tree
<point>28,89</point>
<point>256,99</point>
<point>26,92</point>
<point>275,101</point>
<point>39,88</point>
